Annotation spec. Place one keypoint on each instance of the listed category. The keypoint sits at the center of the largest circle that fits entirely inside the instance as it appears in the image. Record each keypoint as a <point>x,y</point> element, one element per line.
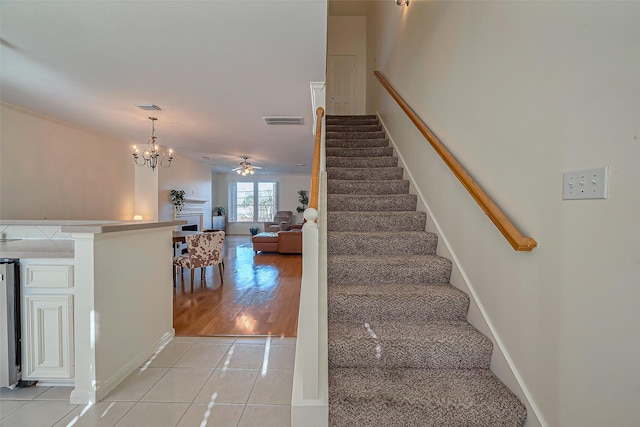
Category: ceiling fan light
<point>251,172</point>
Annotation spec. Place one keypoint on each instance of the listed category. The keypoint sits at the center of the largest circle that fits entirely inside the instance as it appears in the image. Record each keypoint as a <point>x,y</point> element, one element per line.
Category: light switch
<point>585,184</point>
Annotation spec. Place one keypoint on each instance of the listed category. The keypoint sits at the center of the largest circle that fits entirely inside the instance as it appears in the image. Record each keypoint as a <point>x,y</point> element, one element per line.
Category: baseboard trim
<point>442,238</point>
<point>56,383</point>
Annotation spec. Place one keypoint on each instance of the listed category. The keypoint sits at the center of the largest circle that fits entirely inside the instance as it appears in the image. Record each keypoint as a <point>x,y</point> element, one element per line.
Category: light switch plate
<point>585,184</point>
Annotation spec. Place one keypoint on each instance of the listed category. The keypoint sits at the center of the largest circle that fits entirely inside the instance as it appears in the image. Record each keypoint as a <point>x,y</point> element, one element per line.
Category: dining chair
<point>203,250</point>
<point>215,231</point>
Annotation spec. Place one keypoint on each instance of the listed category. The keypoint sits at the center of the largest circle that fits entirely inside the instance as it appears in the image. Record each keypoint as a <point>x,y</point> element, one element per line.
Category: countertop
<point>112,227</point>
<point>64,247</point>
<point>36,248</point>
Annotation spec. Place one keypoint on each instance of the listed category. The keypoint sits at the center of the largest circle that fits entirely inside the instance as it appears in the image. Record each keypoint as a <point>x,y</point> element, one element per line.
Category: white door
<point>341,84</point>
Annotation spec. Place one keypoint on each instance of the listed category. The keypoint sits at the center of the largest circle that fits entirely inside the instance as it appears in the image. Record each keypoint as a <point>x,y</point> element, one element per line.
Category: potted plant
<point>177,198</point>
<point>218,210</point>
<point>303,198</point>
<point>253,231</point>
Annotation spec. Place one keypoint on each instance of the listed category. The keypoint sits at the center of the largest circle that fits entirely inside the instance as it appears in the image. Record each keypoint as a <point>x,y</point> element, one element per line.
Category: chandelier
<point>245,168</point>
<point>149,157</point>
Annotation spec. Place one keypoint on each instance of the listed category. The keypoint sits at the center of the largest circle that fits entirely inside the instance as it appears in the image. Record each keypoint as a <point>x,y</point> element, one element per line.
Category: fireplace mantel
<point>193,212</point>
<point>195,201</point>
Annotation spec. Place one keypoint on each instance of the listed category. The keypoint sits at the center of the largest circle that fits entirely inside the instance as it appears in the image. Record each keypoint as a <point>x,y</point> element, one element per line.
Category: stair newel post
<point>309,298</point>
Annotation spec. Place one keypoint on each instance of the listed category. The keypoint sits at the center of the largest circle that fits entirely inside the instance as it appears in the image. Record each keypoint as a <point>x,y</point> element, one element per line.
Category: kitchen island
<point>97,299</point>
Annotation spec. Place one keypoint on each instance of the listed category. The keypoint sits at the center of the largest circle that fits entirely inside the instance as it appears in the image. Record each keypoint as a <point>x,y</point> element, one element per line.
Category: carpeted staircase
<point>401,352</point>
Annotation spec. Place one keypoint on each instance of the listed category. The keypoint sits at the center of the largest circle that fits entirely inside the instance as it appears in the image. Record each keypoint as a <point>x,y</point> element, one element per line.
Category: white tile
<point>102,414</point>
<point>284,341</point>
<point>228,386</point>
<point>8,406</point>
<point>24,232</point>
<point>26,393</point>
<point>266,416</point>
<point>253,340</point>
<point>38,413</point>
<point>248,356</point>
<point>59,234</point>
<point>56,393</point>
<point>217,416</point>
<point>216,340</point>
<point>185,339</point>
<point>169,355</point>
<point>136,385</point>
<point>178,385</point>
<point>202,356</point>
<point>49,230</point>
<point>281,357</point>
<point>150,414</point>
<point>272,388</point>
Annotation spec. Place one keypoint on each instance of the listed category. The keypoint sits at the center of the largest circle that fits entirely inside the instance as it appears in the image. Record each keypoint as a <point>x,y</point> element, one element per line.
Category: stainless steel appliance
<point>10,342</point>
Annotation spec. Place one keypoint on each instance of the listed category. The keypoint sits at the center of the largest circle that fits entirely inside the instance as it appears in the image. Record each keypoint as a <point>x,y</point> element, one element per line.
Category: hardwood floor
<point>260,295</point>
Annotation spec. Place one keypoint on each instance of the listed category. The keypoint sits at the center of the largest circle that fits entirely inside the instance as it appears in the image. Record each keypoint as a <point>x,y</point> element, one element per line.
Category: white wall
<point>122,315</point>
<point>186,174</point>
<point>288,187</point>
<point>520,92</point>
<point>347,35</point>
<point>50,169</point>
<point>146,193</point>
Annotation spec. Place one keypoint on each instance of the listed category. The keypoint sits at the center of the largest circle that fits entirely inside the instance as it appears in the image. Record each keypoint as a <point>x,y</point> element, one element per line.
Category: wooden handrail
<point>518,241</point>
<point>315,168</point>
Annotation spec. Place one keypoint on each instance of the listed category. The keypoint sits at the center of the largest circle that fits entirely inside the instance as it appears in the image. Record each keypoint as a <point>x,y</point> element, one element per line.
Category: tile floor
<point>238,382</point>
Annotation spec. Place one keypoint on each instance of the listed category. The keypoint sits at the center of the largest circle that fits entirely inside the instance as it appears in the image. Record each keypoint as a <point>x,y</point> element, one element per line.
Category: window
<point>252,201</point>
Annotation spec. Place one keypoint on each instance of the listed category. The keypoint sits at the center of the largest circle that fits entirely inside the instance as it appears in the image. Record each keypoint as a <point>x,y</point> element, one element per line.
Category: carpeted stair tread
<point>361,162</point>
<point>355,135</point>
<point>392,301</point>
<point>344,127</point>
<point>376,221</point>
<point>438,344</point>
<point>381,243</point>
<point>372,202</point>
<point>385,186</point>
<point>359,152</point>
<point>356,143</point>
<point>351,122</point>
<point>380,269</point>
<point>365,173</point>
<point>421,397</point>
<point>352,117</point>
<point>401,352</point>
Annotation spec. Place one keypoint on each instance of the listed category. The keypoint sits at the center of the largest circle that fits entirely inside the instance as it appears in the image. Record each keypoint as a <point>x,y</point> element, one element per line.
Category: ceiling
<point>215,67</point>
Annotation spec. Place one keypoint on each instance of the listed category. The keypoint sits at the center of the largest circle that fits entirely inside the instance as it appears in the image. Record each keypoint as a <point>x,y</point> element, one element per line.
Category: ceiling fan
<point>245,167</point>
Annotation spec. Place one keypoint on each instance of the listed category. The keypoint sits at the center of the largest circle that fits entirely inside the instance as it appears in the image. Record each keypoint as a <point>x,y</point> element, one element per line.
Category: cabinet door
<point>48,337</point>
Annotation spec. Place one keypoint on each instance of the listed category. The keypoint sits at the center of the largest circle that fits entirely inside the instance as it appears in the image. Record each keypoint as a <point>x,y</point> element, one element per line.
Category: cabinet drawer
<point>48,276</point>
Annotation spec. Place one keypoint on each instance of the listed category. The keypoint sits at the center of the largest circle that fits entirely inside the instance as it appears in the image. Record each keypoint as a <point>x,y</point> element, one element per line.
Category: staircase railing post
<point>309,297</point>
<point>310,397</point>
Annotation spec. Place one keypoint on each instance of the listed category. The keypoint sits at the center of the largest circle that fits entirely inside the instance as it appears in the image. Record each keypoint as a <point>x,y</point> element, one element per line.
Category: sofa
<point>284,242</point>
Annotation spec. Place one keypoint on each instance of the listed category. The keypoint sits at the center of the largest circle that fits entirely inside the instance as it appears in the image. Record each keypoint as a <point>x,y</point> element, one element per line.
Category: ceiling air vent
<point>283,120</point>
<point>148,107</point>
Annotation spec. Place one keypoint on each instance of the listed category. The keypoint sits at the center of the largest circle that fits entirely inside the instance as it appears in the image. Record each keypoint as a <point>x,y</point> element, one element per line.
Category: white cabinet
<point>48,276</point>
<point>47,319</point>
<point>49,337</point>
<point>218,222</point>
